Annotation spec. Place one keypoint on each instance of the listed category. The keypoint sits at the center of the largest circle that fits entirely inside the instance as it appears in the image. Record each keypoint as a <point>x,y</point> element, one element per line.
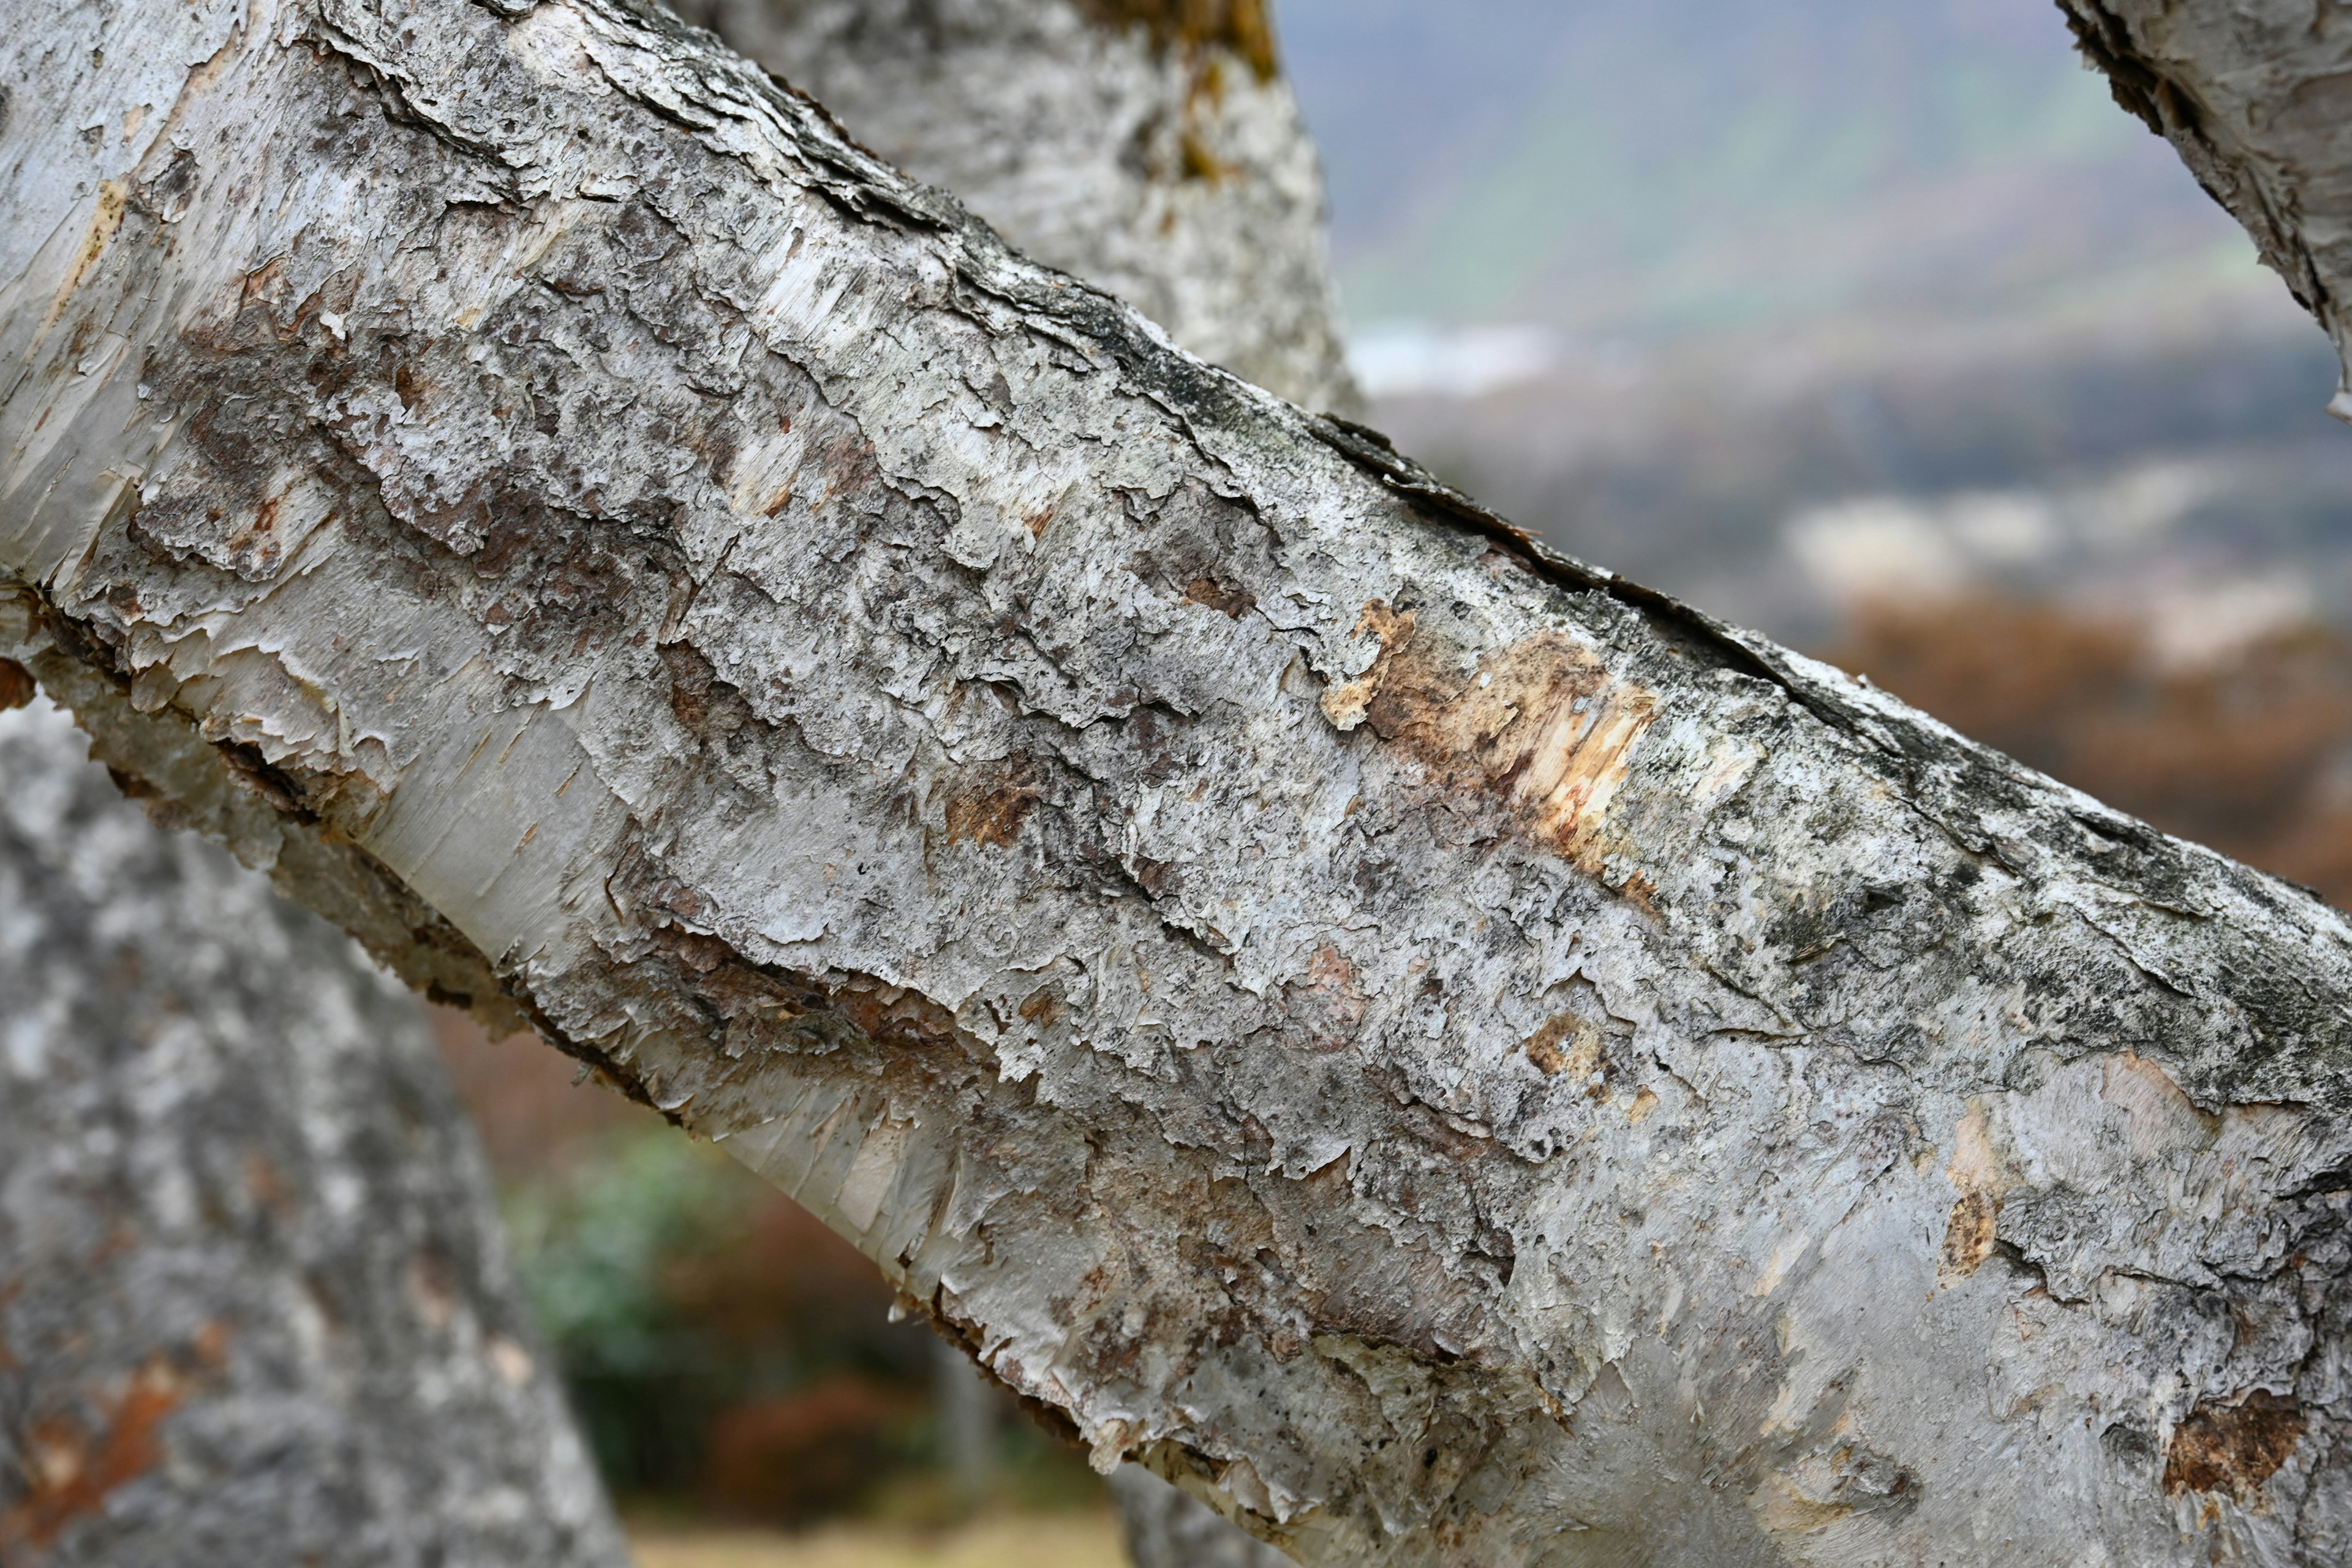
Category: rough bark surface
<point>253,1308</point>
<point>2256,97</point>
<point>1444,1053</point>
<point>1150,147</point>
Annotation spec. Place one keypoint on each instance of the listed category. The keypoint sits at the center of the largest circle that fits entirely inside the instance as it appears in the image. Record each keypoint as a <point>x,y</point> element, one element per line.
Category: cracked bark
<point>1153,149</point>
<point>253,1307</point>
<point>1446,1055</point>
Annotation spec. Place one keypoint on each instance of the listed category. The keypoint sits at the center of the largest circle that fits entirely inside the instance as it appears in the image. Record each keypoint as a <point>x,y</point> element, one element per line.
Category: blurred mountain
<point>1624,169</point>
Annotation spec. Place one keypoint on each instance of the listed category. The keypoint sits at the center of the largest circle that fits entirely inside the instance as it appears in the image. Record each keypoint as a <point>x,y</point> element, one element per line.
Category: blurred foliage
<point>727,1356</point>
<point>719,1344</point>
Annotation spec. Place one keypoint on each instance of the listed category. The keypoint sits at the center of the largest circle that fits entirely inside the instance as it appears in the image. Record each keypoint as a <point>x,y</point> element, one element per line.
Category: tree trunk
<point>1164,1528</point>
<point>253,1304</point>
<point>1444,1053</point>
<point>1151,147</point>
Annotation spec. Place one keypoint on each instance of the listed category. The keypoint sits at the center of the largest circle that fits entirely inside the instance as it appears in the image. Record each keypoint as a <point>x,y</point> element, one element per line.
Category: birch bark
<point>253,1305</point>
<point>1151,147</point>
<point>1445,1054</point>
<point>1153,151</point>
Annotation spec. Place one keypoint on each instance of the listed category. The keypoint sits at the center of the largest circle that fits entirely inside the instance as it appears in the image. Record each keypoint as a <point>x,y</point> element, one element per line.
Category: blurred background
<point>1876,327</point>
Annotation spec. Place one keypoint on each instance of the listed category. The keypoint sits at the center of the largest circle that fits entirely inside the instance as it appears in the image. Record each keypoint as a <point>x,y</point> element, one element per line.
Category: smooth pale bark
<point>1151,147</point>
<point>254,1308</point>
<point>1449,1055</point>
<point>2256,97</point>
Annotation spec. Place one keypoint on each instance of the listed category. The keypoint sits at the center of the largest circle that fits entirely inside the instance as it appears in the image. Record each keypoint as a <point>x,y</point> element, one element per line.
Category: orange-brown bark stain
<point>1967,1236</point>
<point>70,1473</point>
<point>2233,1448</point>
<point>1240,25</point>
<point>1541,724</point>
<point>991,813</point>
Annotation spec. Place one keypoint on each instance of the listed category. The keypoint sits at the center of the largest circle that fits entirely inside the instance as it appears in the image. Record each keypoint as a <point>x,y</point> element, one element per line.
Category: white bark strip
<point>1453,1058</point>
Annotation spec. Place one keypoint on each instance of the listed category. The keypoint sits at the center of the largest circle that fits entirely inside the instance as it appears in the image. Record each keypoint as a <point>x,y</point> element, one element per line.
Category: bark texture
<point>2256,97</point>
<point>1151,147</point>
<point>1446,1055</point>
<point>253,1308</point>
<point>1164,1528</point>
<point>1153,150</point>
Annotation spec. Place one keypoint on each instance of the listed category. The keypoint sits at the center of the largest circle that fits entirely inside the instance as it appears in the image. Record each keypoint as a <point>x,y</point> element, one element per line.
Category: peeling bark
<point>2256,97</point>
<point>253,1308</point>
<point>1151,147</point>
<point>1445,1054</point>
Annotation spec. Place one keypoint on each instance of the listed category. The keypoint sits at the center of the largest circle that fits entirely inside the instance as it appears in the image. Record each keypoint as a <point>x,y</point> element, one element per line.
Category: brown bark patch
<point>1967,1236</point>
<point>1981,1173</point>
<point>71,1474</point>
<point>16,684</point>
<point>1044,1007</point>
<point>1217,595</point>
<point>990,812</point>
<point>894,1015</point>
<point>1240,25</point>
<point>1566,1043</point>
<point>1542,725</point>
<point>1327,1007</point>
<point>2233,1448</point>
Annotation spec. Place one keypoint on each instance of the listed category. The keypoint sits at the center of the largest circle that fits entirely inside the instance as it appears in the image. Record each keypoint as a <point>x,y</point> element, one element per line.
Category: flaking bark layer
<point>1147,146</point>
<point>1448,1055</point>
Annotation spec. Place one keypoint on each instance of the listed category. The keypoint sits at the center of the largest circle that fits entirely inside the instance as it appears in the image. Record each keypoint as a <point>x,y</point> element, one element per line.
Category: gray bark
<point>1156,155</point>
<point>1164,1528</point>
<point>1151,147</point>
<point>1444,1053</point>
<point>253,1308</point>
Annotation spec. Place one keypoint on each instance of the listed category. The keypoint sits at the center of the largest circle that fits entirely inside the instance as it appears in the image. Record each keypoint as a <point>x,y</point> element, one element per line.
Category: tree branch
<point>1445,1054</point>
<point>2253,97</point>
